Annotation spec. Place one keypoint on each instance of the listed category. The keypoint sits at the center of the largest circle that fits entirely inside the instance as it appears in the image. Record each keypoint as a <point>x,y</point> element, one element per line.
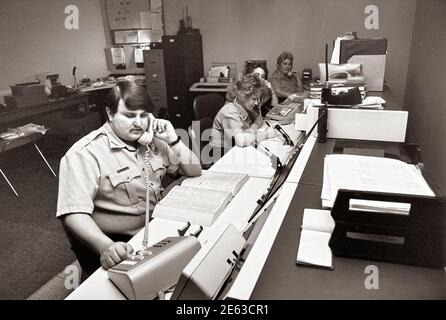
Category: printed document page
<point>365,173</point>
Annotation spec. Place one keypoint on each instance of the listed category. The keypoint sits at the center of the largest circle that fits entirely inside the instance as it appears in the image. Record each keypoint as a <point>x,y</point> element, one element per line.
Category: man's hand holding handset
<point>160,129</point>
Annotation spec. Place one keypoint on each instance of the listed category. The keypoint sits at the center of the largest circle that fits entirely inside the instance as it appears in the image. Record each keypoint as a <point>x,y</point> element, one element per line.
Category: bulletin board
<point>134,14</point>
<point>133,25</point>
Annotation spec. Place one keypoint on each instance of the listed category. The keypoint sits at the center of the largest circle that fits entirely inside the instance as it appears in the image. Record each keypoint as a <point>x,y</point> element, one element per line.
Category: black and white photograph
<point>239,152</point>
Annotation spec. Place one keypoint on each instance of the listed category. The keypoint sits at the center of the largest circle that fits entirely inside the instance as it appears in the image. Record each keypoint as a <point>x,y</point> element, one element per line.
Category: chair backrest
<point>207,105</point>
<point>195,133</point>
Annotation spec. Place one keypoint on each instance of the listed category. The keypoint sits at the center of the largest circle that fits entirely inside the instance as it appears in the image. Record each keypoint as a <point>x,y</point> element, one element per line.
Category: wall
<point>236,30</point>
<point>34,40</point>
<point>425,91</point>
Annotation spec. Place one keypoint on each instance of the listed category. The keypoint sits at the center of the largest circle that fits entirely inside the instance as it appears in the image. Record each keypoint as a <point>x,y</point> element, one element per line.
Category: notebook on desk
<point>316,229</point>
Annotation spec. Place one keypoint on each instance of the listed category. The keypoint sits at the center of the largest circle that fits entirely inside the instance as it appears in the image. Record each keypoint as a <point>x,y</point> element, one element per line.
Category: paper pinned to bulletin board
<point>128,36</point>
<point>139,54</point>
<point>118,55</point>
<point>126,14</point>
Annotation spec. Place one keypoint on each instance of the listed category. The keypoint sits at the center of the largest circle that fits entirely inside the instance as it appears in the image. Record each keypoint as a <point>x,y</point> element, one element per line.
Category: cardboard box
<point>25,101</point>
<point>28,89</point>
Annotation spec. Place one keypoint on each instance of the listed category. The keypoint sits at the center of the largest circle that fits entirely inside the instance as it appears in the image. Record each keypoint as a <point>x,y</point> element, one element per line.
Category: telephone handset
<point>147,137</point>
<point>290,74</point>
<point>339,75</point>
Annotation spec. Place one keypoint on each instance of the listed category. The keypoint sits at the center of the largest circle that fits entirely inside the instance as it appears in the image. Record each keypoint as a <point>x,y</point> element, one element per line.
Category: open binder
<point>415,237</point>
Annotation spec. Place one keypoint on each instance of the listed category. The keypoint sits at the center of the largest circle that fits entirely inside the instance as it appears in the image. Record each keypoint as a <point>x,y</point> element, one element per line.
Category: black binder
<point>417,238</point>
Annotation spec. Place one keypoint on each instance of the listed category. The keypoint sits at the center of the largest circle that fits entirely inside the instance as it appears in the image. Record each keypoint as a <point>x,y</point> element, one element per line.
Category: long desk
<point>237,213</point>
<point>270,270</point>
<point>281,278</point>
<point>17,114</point>
<point>99,287</point>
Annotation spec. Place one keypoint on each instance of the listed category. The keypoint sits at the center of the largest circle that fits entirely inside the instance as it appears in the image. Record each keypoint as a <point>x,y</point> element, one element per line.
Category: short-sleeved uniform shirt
<point>230,120</point>
<point>102,176</point>
<point>287,84</point>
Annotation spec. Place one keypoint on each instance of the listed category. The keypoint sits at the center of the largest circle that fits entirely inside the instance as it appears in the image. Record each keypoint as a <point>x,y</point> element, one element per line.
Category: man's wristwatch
<point>175,142</point>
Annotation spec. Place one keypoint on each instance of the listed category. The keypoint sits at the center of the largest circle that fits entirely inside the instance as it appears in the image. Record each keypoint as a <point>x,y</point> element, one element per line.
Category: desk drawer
<point>153,58</point>
<point>156,80</point>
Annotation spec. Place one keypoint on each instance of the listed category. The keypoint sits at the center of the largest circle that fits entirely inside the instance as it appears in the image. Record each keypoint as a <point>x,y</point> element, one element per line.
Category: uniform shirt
<point>287,84</point>
<point>102,176</point>
<point>230,120</point>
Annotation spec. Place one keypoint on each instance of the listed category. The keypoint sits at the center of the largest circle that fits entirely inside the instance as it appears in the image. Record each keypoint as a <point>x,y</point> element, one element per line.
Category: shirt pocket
<point>124,181</point>
<point>157,164</point>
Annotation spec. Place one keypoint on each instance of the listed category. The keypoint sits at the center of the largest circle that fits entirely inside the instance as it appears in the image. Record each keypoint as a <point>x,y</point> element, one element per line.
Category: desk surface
<point>92,88</point>
<point>209,87</point>
<point>42,108</point>
<point>98,286</point>
<point>6,145</point>
<point>237,213</point>
<point>281,278</point>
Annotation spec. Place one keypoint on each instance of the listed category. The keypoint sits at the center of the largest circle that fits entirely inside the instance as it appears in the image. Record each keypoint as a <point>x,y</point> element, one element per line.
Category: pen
<point>267,123</point>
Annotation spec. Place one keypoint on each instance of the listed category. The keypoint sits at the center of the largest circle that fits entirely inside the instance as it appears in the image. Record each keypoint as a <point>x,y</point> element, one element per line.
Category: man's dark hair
<point>134,96</point>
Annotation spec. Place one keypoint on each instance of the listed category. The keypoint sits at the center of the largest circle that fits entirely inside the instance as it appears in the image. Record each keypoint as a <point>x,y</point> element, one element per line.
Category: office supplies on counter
<point>284,135</point>
<point>307,77</point>
<point>405,229</point>
<point>316,229</point>
<point>284,113</point>
<point>221,72</point>
<point>22,131</point>
<point>155,269</point>
<point>275,161</point>
<point>346,74</point>
<point>200,200</point>
<point>26,94</point>
<point>316,89</point>
<point>323,110</point>
<point>370,102</point>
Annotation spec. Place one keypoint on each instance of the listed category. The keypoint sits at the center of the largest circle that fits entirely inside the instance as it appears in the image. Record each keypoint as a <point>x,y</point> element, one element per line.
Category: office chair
<point>195,131</point>
<point>207,105</point>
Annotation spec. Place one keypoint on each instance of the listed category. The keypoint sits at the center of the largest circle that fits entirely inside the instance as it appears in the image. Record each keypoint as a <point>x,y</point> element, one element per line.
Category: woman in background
<point>239,121</point>
<point>285,82</point>
<point>268,98</point>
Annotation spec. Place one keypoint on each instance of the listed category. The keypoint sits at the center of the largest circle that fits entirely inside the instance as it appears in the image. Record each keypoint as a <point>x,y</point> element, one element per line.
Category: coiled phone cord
<point>145,240</point>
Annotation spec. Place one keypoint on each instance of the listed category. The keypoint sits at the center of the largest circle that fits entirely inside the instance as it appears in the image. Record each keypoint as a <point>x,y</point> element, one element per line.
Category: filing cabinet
<point>183,62</point>
<point>155,77</point>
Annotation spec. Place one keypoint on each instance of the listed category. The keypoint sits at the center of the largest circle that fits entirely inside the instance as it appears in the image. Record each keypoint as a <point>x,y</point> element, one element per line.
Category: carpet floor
<point>33,245</point>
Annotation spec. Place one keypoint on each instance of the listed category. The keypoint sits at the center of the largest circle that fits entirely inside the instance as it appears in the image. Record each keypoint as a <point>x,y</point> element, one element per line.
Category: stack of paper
<point>363,173</point>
